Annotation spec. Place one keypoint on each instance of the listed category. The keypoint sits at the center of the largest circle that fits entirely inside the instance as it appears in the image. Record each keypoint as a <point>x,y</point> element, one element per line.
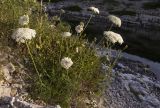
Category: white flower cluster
<point>113,37</point>
<point>22,34</point>
<point>62,11</point>
<point>115,20</point>
<point>66,62</point>
<point>94,9</point>
<point>77,49</point>
<point>79,28</point>
<point>58,106</point>
<point>24,20</point>
<point>66,34</point>
<point>52,26</point>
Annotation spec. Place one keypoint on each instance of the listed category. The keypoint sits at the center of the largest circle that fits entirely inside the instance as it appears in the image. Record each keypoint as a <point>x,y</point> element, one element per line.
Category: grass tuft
<point>50,81</point>
<point>58,84</point>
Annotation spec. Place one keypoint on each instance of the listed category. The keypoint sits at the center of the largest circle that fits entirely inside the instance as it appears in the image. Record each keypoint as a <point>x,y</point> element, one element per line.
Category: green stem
<point>104,36</point>
<point>110,27</point>
<point>13,8</point>
<point>87,24</point>
<point>41,6</point>
<point>60,15</point>
<point>111,65</point>
<point>33,62</point>
<point>117,57</point>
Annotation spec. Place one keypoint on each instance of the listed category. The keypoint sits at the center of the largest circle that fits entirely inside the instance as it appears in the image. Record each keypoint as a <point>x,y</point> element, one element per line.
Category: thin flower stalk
<point>104,36</point>
<point>33,63</point>
<point>87,23</point>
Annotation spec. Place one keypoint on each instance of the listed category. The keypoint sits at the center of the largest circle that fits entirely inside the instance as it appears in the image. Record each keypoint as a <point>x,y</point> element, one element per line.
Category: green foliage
<point>61,85</point>
<point>52,83</point>
<point>10,11</point>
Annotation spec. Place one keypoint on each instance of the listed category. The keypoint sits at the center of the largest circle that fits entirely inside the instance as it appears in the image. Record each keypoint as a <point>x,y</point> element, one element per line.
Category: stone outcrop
<point>132,89</point>
<point>144,21</point>
<point>13,93</point>
<point>133,85</point>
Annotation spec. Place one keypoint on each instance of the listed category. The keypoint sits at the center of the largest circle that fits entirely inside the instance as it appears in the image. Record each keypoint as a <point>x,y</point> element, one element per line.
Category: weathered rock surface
<point>140,27</point>
<point>12,84</point>
<point>142,21</point>
<point>133,86</point>
<point>133,89</point>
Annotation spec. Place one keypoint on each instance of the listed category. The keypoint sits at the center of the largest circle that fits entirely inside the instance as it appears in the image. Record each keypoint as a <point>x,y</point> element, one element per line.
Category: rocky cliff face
<point>133,85</point>
<point>135,17</point>
<point>140,21</point>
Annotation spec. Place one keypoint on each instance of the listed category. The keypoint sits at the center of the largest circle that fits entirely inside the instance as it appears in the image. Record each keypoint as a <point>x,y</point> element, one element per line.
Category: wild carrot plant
<point>65,69</point>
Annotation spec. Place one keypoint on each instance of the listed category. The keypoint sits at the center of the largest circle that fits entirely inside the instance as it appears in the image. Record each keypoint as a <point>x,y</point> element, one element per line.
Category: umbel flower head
<point>79,28</point>
<point>52,26</point>
<point>24,20</point>
<point>66,34</point>
<point>66,62</point>
<point>77,49</point>
<point>113,37</point>
<point>81,23</point>
<point>23,34</point>
<point>93,9</point>
<point>115,20</point>
<point>58,106</point>
<point>62,11</point>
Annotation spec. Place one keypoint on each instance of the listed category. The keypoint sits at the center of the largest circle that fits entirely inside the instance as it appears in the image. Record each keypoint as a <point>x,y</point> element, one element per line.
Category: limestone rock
<point>5,91</point>
<point>153,101</point>
<point>137,88</point>
<point>6,74</point>
<point>13,102</point>
<point>13,92</point>
<point>121,65</point>
<point>10,67</point>
<point>157,85</point>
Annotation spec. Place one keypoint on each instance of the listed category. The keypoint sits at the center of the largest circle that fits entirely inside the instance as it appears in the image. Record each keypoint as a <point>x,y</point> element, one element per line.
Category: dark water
<point>146,45</point>
<point>143,43</point>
